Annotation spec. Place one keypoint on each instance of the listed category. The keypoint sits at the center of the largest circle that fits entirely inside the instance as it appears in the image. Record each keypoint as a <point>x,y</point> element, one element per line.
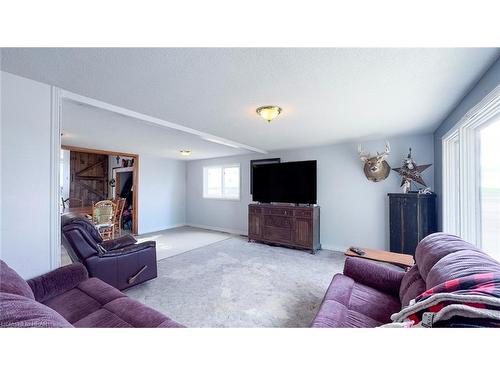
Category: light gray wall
<point>486,84</point>
<point>25,174</point>
<point>162,194</point>
<point>162,181</point>
<point>354,211</point>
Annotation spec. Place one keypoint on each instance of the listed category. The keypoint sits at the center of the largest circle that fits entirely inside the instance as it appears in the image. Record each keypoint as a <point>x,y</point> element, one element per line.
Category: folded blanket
<point>473,297</point>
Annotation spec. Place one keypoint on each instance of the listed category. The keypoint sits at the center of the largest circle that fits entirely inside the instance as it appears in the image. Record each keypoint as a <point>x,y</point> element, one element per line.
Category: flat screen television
<point>292,182</point>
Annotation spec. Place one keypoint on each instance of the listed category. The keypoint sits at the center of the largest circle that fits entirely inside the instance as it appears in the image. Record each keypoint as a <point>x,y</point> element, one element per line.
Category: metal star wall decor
<point>410,171</point>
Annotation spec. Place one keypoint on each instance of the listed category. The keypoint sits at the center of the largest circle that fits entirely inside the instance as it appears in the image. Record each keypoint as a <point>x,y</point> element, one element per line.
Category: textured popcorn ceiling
<point>327,95</point>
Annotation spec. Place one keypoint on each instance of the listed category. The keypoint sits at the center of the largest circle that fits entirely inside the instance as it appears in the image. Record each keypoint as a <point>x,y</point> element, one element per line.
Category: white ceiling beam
<point>68,95</point>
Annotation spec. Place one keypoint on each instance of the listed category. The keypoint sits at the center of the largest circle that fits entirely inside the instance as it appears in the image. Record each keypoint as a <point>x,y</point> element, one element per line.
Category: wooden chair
<point>72,202</point>
<point>103,216</point>
<point>120,205</point>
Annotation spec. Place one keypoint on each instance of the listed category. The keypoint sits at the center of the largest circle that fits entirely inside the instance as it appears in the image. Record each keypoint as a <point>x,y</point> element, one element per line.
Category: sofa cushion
<point>19,311</point>
<point>102,318</point>
<point>412,285</point>
<point>11,282</point>
<point>461,264</point>
<point>436,246</point>
<point>58,281</point>
<point>73,305</point>
<point>441,257</point>
<point>93,303</point>
<point>351,304</point>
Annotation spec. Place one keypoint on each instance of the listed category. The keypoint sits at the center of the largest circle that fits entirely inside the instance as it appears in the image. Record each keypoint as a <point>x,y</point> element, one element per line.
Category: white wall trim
<point>55,151</point>
<point>218,229</point>
<point>154,120</point>
<point>450,178</point>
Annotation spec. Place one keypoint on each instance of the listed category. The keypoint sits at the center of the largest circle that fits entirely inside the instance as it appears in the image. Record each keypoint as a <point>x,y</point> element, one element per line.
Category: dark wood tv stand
<point>285,225</point>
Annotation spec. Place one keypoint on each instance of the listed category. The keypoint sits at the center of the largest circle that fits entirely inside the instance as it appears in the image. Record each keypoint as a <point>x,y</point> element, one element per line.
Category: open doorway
<point>90,176</point>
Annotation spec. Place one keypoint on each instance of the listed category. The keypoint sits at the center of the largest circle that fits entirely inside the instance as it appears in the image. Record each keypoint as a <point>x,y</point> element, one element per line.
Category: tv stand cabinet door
<point>303,232</point>
<point>254,226</point>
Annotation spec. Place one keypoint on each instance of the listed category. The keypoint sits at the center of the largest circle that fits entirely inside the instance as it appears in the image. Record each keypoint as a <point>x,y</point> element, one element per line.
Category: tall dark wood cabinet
<point>412,216</point>
<point>292,226</point>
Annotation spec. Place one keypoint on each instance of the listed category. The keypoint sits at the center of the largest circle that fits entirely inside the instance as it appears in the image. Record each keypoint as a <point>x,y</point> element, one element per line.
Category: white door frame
<point>55,161</point>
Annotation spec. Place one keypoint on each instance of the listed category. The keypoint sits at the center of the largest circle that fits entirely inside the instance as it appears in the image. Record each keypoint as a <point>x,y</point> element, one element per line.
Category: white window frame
<point>221,197</point>
<point>461,175</point>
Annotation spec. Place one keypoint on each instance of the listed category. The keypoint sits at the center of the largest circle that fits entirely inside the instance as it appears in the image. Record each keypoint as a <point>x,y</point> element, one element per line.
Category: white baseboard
<point>333,247</point>
<point>168,227</point>
<point>218,229</point>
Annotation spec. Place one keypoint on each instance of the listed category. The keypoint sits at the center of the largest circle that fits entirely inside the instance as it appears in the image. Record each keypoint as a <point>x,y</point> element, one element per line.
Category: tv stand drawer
<point>282,211</point>
<point>278,221</point>
<point>303,213</point>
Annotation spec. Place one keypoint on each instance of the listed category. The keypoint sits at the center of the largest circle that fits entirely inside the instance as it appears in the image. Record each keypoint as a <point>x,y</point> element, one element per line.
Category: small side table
<point>402,260</point>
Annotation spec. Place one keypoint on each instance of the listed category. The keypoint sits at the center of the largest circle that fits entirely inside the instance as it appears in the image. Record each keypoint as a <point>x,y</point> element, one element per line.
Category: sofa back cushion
<point>11,282</point>
<point>19,311</point>
<point>460,264</point>
<point>412,285</point>
<point>441,257</point>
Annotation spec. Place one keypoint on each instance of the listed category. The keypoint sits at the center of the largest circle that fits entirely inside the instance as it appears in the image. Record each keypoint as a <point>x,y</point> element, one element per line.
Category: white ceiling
<point>90,127</point>
<point>327,95</point>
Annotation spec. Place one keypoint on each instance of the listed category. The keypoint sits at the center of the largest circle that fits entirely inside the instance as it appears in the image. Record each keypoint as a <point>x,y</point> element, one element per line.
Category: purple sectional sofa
<point>67,297</point>
<point>368,293</point>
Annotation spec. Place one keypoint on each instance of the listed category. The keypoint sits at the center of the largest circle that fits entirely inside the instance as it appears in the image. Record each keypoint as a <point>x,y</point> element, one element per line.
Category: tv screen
<point>293,182</point>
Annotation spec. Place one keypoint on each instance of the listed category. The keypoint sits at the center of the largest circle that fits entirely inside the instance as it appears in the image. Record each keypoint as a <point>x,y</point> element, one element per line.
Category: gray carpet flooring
<point>234,283</point>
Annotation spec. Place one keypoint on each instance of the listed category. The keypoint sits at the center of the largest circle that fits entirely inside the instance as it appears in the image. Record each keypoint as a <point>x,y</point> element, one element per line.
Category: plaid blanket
<point>471,297</point>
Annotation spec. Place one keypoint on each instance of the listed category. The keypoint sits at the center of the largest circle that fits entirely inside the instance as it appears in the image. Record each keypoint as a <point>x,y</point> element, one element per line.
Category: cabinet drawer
<point>279,211</point>
<point>303,213</point>
<point>278,221</point>
<point>255,210</point>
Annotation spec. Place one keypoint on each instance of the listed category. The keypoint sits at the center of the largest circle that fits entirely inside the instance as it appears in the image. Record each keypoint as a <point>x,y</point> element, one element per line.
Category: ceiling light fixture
<point>185,152</point>
<point>269,112</point>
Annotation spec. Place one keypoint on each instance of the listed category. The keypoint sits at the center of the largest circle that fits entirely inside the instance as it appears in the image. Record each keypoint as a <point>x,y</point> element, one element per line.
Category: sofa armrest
<point>374,274</point>
<point>118,243</point>
<point>129,249</point>
<point>58,281</point>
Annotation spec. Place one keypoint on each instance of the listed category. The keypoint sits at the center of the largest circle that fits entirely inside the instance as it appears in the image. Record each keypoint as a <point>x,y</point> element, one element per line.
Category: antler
<point>363,155</point>
<point>386,152</point>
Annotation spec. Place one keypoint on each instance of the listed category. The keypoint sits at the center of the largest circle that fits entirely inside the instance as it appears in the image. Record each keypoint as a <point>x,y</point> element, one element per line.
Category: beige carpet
<point>235,283</point>
<point>175,241</point>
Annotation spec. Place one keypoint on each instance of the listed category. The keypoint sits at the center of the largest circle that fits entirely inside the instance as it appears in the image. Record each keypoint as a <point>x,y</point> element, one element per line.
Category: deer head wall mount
<point>376,168</point>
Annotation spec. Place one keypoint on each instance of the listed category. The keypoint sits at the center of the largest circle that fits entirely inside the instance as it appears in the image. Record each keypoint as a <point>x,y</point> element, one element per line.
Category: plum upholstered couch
<point>368,293</point>
<point>67,297</point>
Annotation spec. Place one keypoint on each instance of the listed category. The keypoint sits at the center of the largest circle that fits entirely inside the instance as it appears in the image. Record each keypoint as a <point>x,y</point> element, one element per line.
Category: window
<point>471,176</point>
<point>221,182</point>
<point>489,141</point>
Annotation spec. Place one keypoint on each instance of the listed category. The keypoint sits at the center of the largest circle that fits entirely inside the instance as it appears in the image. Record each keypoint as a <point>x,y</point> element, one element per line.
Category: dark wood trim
<point>97,151</point>
<point>136,194</point>
<point>135,202</point>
